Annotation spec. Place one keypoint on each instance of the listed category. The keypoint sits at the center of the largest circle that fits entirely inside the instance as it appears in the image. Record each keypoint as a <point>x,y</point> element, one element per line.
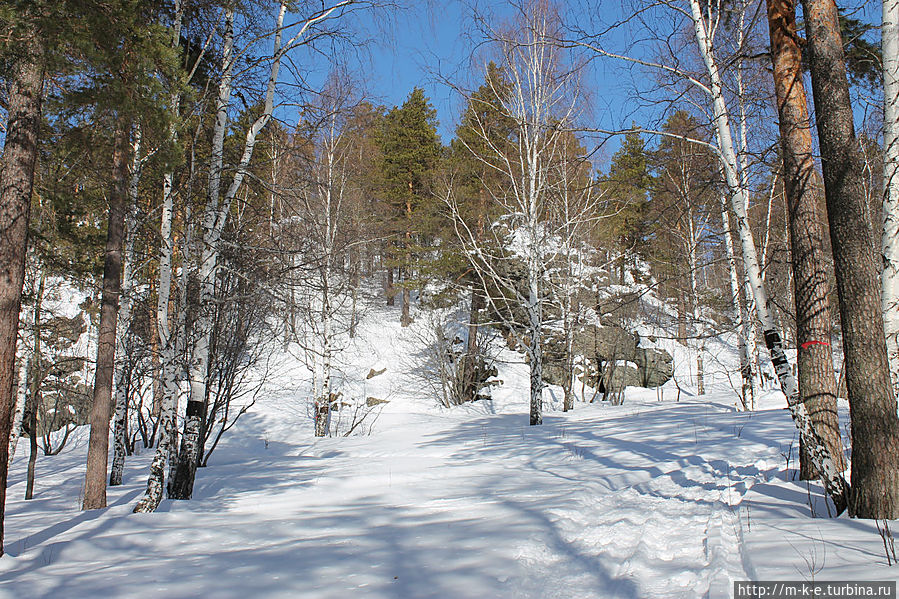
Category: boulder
<point>622,376</point>
<point>656,366</point>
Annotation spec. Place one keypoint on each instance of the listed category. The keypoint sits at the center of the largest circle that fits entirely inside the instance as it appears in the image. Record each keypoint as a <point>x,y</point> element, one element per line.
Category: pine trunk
<point>98,445</point>
<point>832,477</point>
<point>875,427</point>
<point>472,361</point>
<point>16,182</point>
<point>34,384</point>
<point>34,398</point>
<point>406,318</point>
<point>817,385</point>
<point>391,291</point>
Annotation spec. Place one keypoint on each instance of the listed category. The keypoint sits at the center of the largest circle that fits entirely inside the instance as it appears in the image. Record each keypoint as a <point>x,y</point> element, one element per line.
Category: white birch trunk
<point>535,315</point>
<point>179,339</point>
<point>156,480</point>
<point>214,221</point>
<point>535,349</point>
<point>833,479</point>
<point>692,265</point>
<point>750,338</point>
<point>184,468</point>
<point>748,389</point>
<point>324,407</point>
<point>120,431</point>
<point>890,239</point>
<point>15,430</point>
<point>23,382</point>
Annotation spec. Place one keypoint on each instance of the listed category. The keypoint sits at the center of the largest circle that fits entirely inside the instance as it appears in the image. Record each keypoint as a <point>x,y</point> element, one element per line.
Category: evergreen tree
<point>125,91</point>
<point>485,130</point>
<point>411,149</point>
<point>684,201</point>
<point>627,186</point>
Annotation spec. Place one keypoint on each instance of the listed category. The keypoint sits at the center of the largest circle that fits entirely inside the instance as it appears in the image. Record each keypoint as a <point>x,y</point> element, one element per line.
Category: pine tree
<point>16,181</point>
<point>627,185</point>
<point>483,125</point>
<point>684,200</point>
<point>410,150</point>
<point>817,386</point>
<point>875,427</point>
<point>123,87</point>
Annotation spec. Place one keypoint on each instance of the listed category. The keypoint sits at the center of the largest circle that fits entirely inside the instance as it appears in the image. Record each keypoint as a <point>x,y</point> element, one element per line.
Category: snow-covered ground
<point>647,499</point>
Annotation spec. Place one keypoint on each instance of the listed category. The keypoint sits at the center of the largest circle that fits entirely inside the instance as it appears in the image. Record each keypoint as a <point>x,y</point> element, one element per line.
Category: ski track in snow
<point>486,507</point>
<point>647,499</point>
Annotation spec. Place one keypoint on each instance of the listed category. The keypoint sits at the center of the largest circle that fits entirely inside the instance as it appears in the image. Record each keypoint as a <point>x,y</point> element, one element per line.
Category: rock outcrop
<point>612,358</point>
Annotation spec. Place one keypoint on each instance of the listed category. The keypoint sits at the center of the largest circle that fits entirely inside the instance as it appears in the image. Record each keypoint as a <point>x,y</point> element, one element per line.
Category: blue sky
<point>426,45</point>
<point>431,43</point>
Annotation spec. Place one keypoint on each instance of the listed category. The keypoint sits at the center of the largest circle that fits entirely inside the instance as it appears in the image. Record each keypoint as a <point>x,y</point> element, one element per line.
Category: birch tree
<point>683,192</point>
<point>167,421</point>
<point>890,238</point>
<point>540,100</point>
<point>705,19</point>
<point>219,200</point>
<point>575,207</point>
<point>748,391</point>
<point>323,205</point>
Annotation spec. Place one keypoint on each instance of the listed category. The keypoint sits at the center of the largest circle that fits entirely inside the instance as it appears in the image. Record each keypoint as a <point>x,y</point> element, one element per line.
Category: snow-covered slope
<point>648,499</point>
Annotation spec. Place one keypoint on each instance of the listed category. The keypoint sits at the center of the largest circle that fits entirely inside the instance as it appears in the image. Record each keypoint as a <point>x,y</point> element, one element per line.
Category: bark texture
<point>833,480</point>
<point>183,471</point>
<point>16,183</point>
<point>817,385</point>
<point>875,427</point>
<point>98,445</point>
<point>120,431</point>
<point>890,239</point>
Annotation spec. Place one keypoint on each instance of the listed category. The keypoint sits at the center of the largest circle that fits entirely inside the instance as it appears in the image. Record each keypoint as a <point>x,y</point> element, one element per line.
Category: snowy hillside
<point>647,499</point>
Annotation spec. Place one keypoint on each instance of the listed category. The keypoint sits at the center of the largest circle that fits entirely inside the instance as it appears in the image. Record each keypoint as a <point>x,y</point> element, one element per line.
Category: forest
<point>221,234</point>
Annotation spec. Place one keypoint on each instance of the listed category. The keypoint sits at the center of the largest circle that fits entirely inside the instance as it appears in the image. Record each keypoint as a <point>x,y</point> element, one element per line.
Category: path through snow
<point>633,501</point>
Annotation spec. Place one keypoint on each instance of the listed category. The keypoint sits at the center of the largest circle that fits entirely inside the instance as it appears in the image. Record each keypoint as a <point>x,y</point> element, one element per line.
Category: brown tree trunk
<point>471,363</point>
<point>391,292</point>
<point>875,427</point>
<point>405,318</point>
<point>32,445</point>
<point>16,184</point>
<point>37,377</point>
<point>817,386</point>
<point>98,446</point>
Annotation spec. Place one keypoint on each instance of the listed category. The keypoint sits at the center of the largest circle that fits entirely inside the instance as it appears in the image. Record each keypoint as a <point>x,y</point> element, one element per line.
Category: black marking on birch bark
<point>194,408</point>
